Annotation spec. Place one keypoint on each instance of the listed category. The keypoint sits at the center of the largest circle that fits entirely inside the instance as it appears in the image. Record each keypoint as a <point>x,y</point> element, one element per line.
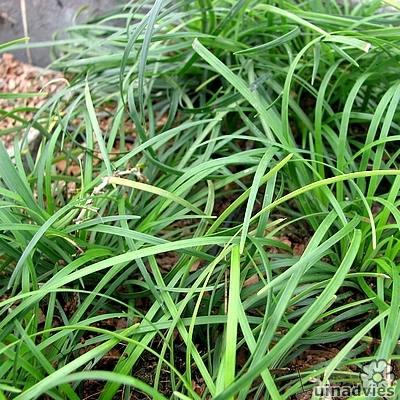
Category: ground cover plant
<point>212,210</point>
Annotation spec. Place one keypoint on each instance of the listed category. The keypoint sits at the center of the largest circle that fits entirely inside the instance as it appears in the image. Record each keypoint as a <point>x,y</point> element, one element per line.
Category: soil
<point>18,77</point>
<point>145,370</point>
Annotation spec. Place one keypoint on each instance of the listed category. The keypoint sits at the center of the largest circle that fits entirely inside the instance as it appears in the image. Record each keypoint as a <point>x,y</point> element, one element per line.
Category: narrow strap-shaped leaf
<point>96,129</point>
<point>14,182</point>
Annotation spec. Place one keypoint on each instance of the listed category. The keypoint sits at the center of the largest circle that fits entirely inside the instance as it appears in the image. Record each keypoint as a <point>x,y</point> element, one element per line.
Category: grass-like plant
<point>153,242</point>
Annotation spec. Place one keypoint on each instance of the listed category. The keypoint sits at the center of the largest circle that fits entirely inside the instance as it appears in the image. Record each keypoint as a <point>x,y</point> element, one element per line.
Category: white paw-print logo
<point>377,374</point>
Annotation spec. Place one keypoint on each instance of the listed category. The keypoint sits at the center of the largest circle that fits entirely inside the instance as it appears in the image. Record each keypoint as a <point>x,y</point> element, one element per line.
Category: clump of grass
<point>250,120</point>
